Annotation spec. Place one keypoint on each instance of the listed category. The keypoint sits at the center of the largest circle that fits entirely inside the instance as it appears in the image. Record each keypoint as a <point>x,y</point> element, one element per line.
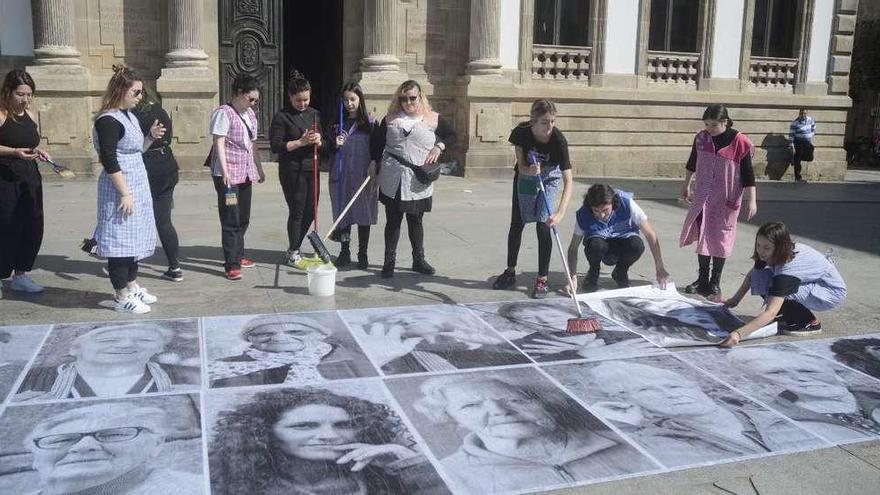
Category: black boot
<point>388,267</point>
<point>700,285</point>
<point>420,265</point>
<point>362,262</point>
<point>621,277</point>
<point>344,258</point>
<point>363,242</point>
<point>591,280</point>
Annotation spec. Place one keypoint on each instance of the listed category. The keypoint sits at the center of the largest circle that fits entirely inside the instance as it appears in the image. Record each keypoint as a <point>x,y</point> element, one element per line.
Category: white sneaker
<point>131,304</point>
<point>142,294</point>
<point>23,283</point>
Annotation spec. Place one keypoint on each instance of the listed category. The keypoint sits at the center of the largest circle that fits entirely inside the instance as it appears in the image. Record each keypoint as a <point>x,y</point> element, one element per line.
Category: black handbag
<point>426,174</point>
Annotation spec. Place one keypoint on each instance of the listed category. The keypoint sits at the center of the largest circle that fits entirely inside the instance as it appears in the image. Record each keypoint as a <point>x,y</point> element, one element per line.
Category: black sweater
<point>289,125</point>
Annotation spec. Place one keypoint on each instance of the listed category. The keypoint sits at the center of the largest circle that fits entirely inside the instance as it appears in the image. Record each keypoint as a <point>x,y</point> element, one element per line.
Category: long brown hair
<point>123,79</point>
<point>394,108</point>
<point>778,235</point>
<point>14,79</point>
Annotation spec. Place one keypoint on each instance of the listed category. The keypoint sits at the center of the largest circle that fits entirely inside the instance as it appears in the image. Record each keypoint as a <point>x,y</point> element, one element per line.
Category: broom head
<point>586,324</point>
<point>319,247</point>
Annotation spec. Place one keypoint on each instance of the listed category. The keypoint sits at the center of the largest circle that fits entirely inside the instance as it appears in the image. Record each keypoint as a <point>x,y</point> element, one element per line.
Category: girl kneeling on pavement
<point>541,151</point>
<point>793,279</point>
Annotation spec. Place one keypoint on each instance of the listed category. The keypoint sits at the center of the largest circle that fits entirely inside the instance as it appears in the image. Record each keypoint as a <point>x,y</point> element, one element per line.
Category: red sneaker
<point>233,274</point>
<point>247,263</point>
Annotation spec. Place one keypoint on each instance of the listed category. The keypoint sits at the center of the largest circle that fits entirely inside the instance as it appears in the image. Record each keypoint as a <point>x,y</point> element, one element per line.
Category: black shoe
<point>362,262</point>
<point>540,289</point>
<point>713,293</point>
<point>697,287</point>
<point>388,269</point>
<point>344,258</point>
<point>421,266</point>
<point>798,329</point>
<point>173,274</point>
<point>505,281</point>
<point>622,279</point>
<point>591,284</point>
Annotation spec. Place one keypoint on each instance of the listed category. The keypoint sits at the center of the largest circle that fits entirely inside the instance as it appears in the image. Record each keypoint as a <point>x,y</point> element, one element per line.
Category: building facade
<point>630,77</point>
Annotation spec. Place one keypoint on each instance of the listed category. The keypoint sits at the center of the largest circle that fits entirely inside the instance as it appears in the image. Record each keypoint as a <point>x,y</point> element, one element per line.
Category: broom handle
<point>315,174</point>
<point>559,245</point>
<point>347,207</point>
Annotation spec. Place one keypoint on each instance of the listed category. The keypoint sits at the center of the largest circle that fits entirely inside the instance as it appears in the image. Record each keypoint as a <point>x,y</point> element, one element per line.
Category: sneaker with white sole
<point>142,294</point>
<point>23,283</point>
<point>131,304</point>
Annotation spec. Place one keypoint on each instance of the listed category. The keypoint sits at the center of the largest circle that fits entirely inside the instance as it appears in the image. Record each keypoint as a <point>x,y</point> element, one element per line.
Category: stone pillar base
<point>189,95</point>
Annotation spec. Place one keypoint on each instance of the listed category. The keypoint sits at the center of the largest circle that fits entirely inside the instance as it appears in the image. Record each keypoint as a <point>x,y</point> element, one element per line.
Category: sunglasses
<point>253,100</point>
<point>408,99</point>
<point>137,92</point>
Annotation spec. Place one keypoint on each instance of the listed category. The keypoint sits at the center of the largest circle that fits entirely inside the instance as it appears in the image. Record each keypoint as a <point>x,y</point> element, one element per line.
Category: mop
<point>581,324</point>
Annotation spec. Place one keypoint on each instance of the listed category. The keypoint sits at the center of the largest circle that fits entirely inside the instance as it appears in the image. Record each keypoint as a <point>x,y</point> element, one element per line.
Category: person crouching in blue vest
<point>608,225</point>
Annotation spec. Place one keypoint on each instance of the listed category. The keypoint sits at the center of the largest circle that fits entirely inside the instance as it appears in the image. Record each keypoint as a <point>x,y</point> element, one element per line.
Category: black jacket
<point>290,124</point>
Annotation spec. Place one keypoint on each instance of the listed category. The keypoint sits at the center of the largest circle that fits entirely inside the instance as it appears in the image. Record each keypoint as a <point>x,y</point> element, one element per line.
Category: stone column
<point>380,37</point>
<point>485,38</point>
<point>54,37</point>
<point>185,34</point>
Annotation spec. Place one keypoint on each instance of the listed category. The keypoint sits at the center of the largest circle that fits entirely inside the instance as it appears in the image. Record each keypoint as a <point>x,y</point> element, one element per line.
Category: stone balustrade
<point>773,73</point>
<point>561,62</point>
<point>677,68</point>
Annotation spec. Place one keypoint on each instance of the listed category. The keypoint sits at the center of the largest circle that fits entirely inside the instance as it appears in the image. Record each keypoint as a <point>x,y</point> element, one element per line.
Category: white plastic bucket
<point>322,280</point>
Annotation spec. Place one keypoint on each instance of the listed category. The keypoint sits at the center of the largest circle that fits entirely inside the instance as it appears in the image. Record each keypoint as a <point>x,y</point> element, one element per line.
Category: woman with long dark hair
<point>299,441</point>
<point>126,229</point>
<point>21,186</point>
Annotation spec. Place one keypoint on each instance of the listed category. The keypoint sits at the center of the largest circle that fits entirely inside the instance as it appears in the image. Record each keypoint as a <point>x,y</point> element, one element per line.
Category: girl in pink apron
<point>721,160</point>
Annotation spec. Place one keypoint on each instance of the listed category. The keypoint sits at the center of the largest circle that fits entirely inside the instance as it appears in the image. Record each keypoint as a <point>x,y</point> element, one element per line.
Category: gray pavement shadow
<point>778,155</point>
<point>831,213</point>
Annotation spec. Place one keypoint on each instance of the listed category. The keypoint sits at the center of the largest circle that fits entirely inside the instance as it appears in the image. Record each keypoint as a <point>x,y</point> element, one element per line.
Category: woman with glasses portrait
<point>407,145</point>
<point>126,229</point>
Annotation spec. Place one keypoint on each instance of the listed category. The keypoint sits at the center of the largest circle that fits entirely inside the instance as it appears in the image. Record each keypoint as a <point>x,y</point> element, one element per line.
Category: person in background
<point>721,158</point>
<point>235,165</point>
<point>608,225</point>
<point>800,137</point>
<point>293,137</point>
<point>162,172</point>
<point>793,279</point>
<point>537,140</point>
<point>126,227</point>
<point>21,186</point>
<point>355,164</point>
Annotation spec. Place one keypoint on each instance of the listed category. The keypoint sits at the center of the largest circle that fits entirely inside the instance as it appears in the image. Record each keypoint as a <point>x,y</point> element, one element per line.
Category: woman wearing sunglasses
<point>126,230</point>
<point>410,136</point>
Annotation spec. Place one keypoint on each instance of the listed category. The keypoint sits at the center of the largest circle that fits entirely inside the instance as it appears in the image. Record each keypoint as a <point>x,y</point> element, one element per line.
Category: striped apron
<point>531,204</point>
<point>135,235</point>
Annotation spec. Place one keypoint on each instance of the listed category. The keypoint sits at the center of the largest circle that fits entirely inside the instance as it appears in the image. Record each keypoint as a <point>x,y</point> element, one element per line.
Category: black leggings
<point>514,237</point>
<point>21,217</point>
<point>122,271</point>
<point>162,183</point>
<point>298,189</point>
<point>393,220</point>
<point>793,312</point>
<point>627,250</point>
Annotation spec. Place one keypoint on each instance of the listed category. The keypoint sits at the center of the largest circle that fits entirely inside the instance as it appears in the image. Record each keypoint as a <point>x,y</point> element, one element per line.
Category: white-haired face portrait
<point>429,338</point>
<point>293,334</point>
<point>115,359</point>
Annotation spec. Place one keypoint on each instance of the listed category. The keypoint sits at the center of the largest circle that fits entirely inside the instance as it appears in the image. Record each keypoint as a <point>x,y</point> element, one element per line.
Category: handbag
<point>426,174</point>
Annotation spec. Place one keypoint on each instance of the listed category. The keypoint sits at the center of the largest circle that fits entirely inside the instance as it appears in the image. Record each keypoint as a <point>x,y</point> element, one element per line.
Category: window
<point>562,22</point>
<point>773,28</point>
<point>674,26</point>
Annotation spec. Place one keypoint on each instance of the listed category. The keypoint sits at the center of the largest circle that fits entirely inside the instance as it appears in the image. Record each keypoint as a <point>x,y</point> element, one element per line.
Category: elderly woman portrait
<point>538,328</point>
<point>431,339</point>
<point>290,348</point>
<point>522,435</point>
<point>671,321</point>
<point>106,448</point>
<point>673,416</point>
<point>112,359</point>
<point>313,441</point>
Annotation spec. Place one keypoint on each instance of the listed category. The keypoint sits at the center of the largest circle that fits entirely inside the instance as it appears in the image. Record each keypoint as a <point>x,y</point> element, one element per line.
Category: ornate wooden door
<point>251,42</point>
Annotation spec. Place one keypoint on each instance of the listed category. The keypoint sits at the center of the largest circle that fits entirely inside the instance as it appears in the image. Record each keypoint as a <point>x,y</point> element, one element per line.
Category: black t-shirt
<point>780,285</point>
<point>553,152</point>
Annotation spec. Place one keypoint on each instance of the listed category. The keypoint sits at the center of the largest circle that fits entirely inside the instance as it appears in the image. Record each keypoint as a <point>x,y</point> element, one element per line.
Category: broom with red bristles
<point>581,324</point>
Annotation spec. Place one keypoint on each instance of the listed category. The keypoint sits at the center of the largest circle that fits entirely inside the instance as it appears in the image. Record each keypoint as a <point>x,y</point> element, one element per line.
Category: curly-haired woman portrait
<point>313,441</point>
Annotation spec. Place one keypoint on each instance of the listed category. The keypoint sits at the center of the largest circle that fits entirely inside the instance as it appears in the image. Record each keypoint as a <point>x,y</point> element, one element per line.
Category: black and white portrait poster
<point>667,318</point>
<point>115,359</point>
<point>282,348</point>
<point>342,438</point>
<point>143,445</point>
<point>538,329</point>
<point>18,344</point>
<point>512,430</point>
<point>824,397</point>
<point>417,339</point>
<point>678,414</point>
<point>860,352</point>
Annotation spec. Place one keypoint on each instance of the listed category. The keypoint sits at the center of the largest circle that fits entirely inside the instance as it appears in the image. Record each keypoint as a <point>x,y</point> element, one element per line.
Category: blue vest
<point>618,226</point>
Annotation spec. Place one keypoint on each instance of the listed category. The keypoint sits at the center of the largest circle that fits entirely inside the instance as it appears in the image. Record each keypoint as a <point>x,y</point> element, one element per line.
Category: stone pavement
<point>465,239</point>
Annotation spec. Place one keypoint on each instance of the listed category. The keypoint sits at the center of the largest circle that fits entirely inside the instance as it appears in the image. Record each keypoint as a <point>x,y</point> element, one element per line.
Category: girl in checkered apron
<point>126,231</point>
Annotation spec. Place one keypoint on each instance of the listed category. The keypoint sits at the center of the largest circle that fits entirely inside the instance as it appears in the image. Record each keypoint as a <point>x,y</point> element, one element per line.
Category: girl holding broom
<point>350,166</point>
